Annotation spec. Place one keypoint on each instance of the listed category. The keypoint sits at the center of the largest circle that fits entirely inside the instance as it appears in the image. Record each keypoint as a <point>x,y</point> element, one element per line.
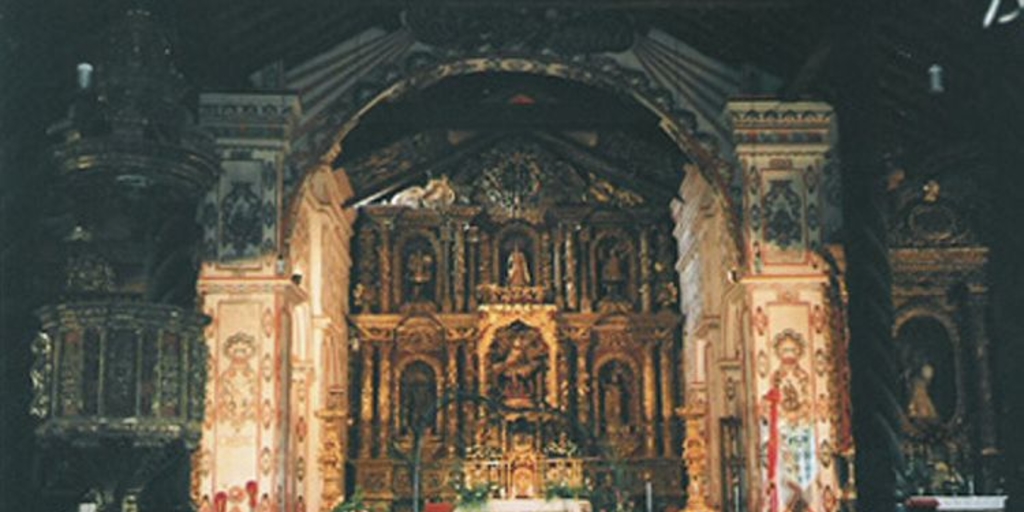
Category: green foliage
<point>354,503</point>
<point>475,496</point>
<point>565,492</point>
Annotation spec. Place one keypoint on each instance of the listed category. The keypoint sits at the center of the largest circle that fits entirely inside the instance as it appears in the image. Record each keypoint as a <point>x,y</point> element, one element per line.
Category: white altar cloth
<point>556,505</point>
<point>963,503</point>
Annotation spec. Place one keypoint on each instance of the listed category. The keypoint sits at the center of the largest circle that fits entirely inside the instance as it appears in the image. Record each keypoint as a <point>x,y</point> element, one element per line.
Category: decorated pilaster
<point>247,289</point>
<point>783,150</point>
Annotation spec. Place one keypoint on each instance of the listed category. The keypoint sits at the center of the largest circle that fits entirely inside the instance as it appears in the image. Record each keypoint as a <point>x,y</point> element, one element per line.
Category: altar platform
<point>533,505</point>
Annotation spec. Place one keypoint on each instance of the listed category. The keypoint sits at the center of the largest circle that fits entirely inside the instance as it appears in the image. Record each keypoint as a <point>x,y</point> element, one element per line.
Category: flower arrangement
<point>474,497</point>
<point>563,490</point>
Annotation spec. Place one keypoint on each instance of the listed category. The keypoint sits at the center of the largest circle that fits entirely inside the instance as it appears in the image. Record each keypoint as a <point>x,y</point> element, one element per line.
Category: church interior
<point>511,256</point>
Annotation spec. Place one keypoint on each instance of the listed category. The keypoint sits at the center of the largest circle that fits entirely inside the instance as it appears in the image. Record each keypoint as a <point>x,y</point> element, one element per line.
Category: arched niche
<point>418,392</point>
<point>616,396</point>
<point>416,258</point>
<point>524,240</point>
<point>615,266</point>
<point>931,373</point>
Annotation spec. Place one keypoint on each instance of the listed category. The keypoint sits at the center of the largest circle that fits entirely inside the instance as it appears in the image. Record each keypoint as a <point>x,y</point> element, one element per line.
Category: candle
<point>650,496</point>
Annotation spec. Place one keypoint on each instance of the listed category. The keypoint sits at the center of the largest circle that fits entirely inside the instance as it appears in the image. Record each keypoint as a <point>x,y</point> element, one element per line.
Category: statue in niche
<point>418,395</point>
<point>518,362</point>
<point>613,403</point>
<point>420,273</point>
<point>615,398</point>
<point>921,407</point>
<point>518,269</point>
<point>929,371</point>
<point>613,275</point>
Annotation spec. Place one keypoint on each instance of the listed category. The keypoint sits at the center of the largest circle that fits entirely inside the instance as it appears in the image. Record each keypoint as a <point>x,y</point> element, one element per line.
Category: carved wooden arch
<point>608,320</point>
<point>435,366</point>
<point>633,261</point>
<point>399,267</point>
<point>932,311</point>
<point>535,255</point>
<point>678,123</point>
<point>423,323</point>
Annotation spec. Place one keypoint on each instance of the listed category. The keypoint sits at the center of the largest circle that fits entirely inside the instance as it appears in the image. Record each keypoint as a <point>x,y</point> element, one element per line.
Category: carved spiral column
<point>384,257</point>
<point>366,405</point>
<point>384,398</point>
<point>584,260</point>
<point>557,266</point>
<point>469,411</point>
<point>451,386</point>
<point>667,406</point>
<point>459,271</point>
<point>473,236</point>
<point>583,379</point>
<point>571,284</point>
<point>874,381</point>
<point>650,400</point>
<point>445,273</point>
<point>695,456</point>
<point>646,299</point>
<point>563,375</point>
<point>484,260</point>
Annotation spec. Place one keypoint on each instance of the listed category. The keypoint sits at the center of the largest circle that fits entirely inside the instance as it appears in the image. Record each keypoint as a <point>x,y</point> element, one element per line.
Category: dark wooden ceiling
<point>219,43</point>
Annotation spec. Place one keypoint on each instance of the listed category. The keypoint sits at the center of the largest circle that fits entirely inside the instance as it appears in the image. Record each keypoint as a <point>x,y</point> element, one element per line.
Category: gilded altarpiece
<point>518,316</point>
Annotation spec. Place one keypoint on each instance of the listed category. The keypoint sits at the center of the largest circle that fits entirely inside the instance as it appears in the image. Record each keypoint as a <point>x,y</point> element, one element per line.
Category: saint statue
<point>612,275</point>
<point>518,269</point>
<point>613,403</point>
<point>517,369</point>
<point>921,406</point>
<point>421,266</point>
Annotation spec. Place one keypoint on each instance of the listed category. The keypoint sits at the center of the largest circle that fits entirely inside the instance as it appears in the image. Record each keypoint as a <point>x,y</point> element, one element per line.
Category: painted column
<point>245,288</point>
<point>783,149</point>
